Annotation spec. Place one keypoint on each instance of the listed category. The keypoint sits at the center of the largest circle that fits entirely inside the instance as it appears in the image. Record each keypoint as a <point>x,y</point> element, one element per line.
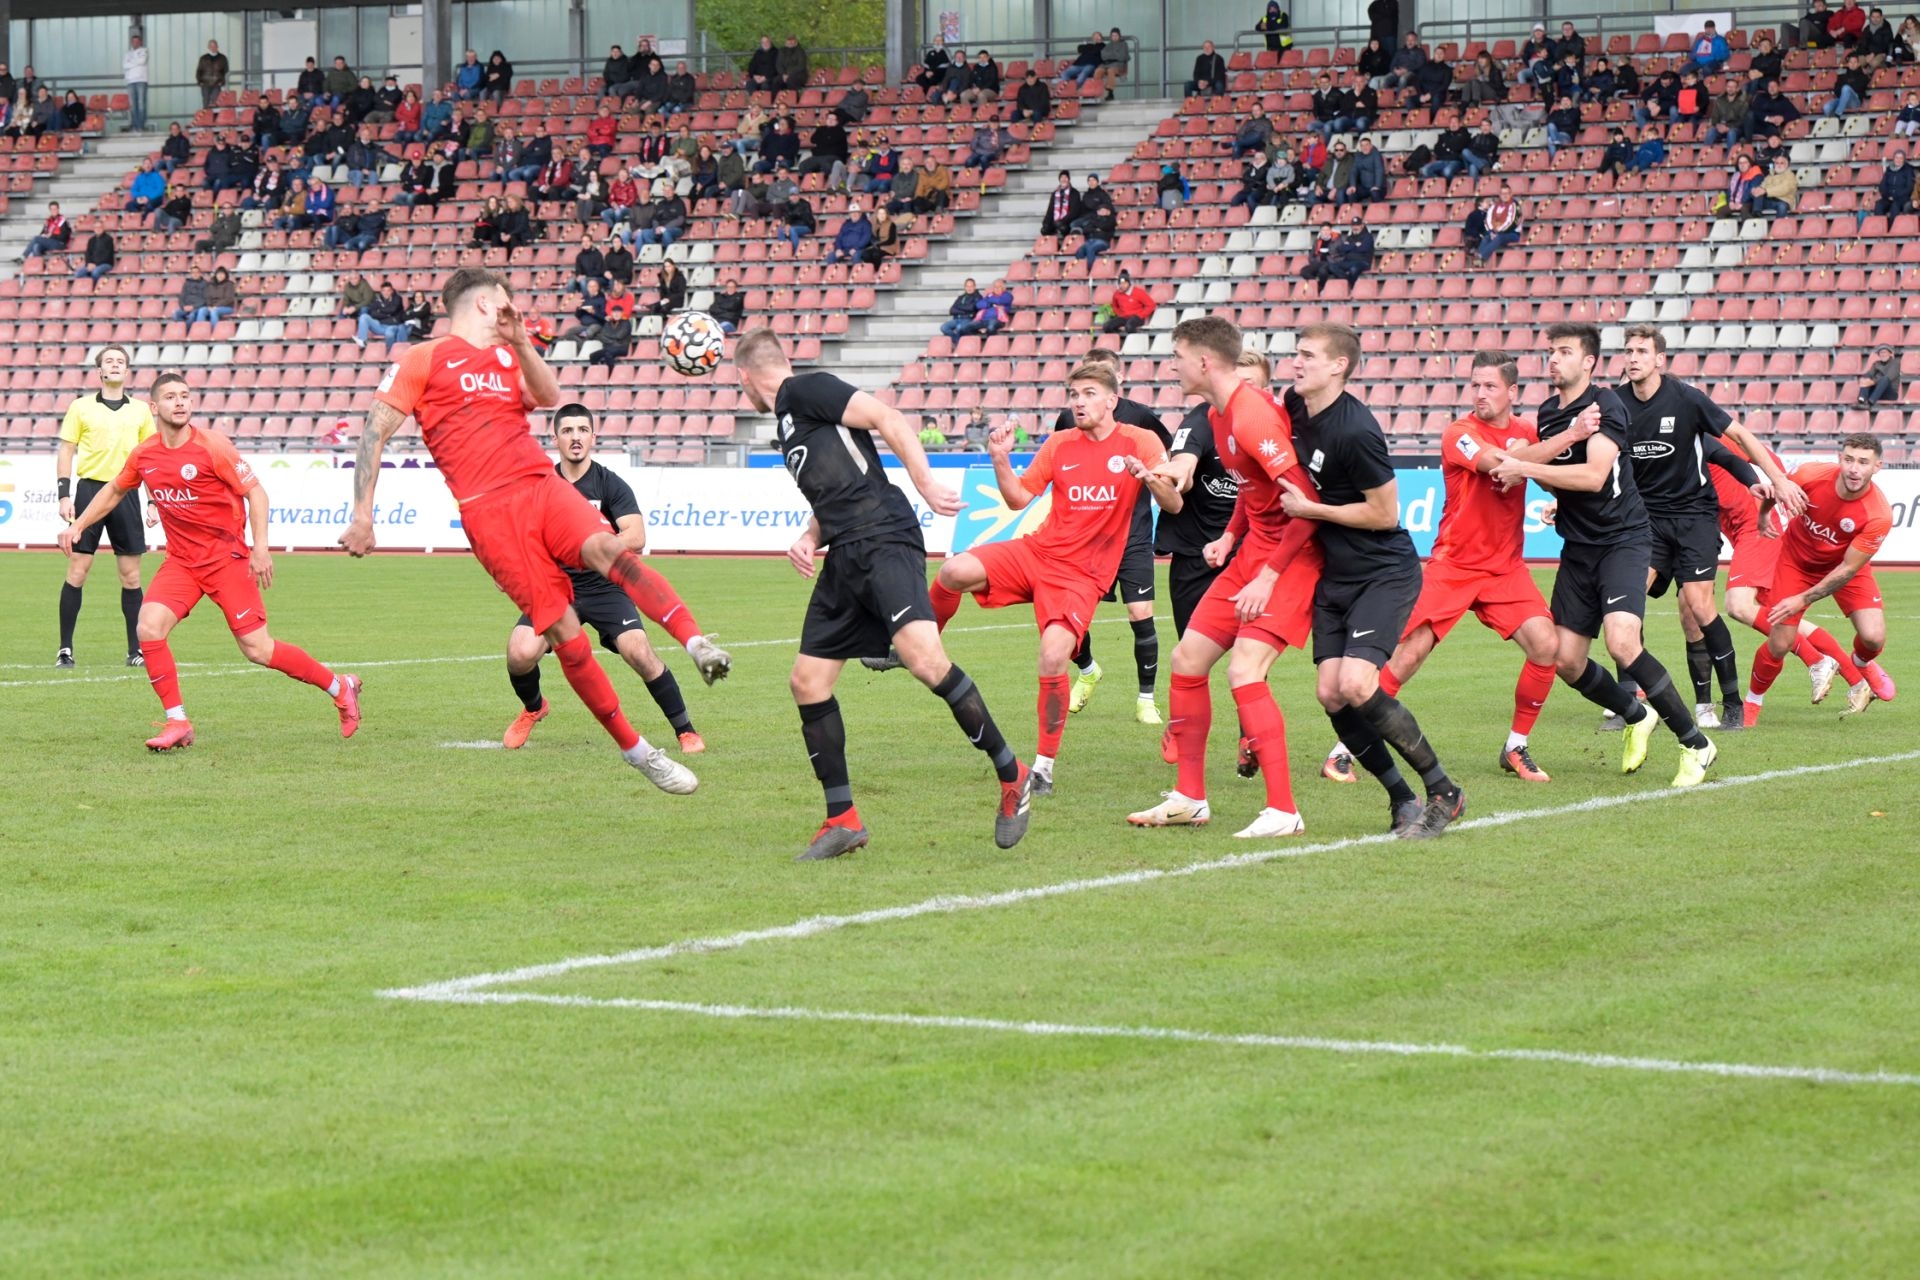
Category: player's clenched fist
<point>1215,553</point>
<point>800,554</point>
<point>1000,440</point>
<point>358,539</point>
<point>943,499</point>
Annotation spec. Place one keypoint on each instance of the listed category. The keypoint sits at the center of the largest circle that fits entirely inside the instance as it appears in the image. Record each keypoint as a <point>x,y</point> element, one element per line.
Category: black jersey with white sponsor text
<point>1133,414</point>
<point>837,468</point>
<point>1209,503</point>
<point>1615,512</point>
<point>1668,433</point>
<point>613,498</point>
<point>1346,454</point>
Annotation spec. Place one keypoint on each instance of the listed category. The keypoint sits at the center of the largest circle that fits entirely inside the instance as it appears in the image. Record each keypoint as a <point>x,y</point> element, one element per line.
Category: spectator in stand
<point>1344,257</point>
<point>508,154</point>
<point>934,65</point>
<point>1563,126</point>
<point>649,85</point>
<point>729,305</point>
<point>989,145</point>
<point>983,80</point>
<point>1449,149</point>
<point>1172,188</point>
<point>1311,160</point>
<point>73,112</point>
<point>1850,88</point>
<point>1880,383</point>
<point>1537,57</point>
<point>98,258</point>
<point>340,82</point>
<point>1432,86</point>
<point>616,74</point>
<point>1727,115</point>
<point>1652,150</point>
<point>1487,85</point>
<point>1815,27</point>
<point>616,340</point>
<point>316,212</point>
<point>419,316</point>
<point>975,430</point>
<point>218,166</point>
<point>672,288</point>
<point>793,64</point>
<point>1618,157</point>
<point>933,190</point>
<point>292,201</point>
<point>175,150</point>
<point>1097,222</point>
<point>1847,25</point>
<point>469,76</point>
<point>589,260</point>
<point>387,100</point>
<point>682,92</point>
<point>1772,112</point>
<point>1474,229</point>
<point>1334,179</point>
<point>779,145</point>
<point>1282,178</point>
<point>358,231</point>
<point>1907,123</point>
<point>133,70</point>
<point>518,226</point>
<point>886,239</point>
<point>1375,62</point>
<point>486,223</point>
<point>905,182</point>
<point>797,219</point>
<point>497,82</point>
<point>1743,188</point>
<point>1254,134</point>
<point>1032,101</point>
<point>619,259</point>
<point>962,311</point>
<point>555,183</point>
<point>992,313</point>
<point>855,234</point>
<point>193,296</point>
<point>590,313</point>
<point>1369,181</point>
<point>1503,224</point>
<point>222,298</point>
<point>435,117</point>
<point>827,151</point>
<point>1113,62</point>
<point>430,180</point>
<point>535,154</point>
<point>386,315</point>
<point>876,175</point>
<point>55,233</point>
<point>1779,190</point>
<point>1691,106</point>
<point>149,189</point>
<point>1709,54</point>
<point>267,122</point>
<point>1895,188</point>
<point>408,117</point>
<point>1086,61</point>
<point>669,218</point>
<point>763,70</point>
<point>365,158</point>
<point>1906,42</point>
<point>210,73</point>
<point>1132,306</point>
<point>479,139</point>
<point>311,83</point>
<point>855,105</point>
<point>1276,25</point>
<point>1253,182</point>
<point>1095,204</point>
<point>177,212</point>
<point>1408,60</point>
<point>1875,46</point>
<point>1209,73</point>
<point>622,194</point>
<point>1482,153</point>
<point>1570,78</point>
<point>1332,108</point>
<point>225,232</point>
<point>355,295</point>
<point>1658,101</point>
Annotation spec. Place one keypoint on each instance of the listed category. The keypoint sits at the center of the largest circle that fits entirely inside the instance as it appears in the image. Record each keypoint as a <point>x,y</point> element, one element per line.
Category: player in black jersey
<point>600,604</point>
<point>1601,589</point>
<point>1371,578</point>
<point>872,591</point>
<point>1133,585</point>
<point>1671,423</point>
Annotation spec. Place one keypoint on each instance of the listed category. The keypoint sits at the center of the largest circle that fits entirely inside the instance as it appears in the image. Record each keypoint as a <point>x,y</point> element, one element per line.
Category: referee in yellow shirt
<point>96,436</point>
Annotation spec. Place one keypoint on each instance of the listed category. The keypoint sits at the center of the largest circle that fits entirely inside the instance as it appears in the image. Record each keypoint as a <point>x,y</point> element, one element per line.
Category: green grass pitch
<point>199,1078</point>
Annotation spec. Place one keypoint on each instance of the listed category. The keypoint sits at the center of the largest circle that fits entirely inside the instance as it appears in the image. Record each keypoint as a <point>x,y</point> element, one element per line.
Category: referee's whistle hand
<point>66,510</point>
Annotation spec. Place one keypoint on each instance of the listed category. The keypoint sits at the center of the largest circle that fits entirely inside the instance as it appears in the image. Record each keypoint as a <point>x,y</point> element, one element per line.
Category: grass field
<point>1298,1065</point>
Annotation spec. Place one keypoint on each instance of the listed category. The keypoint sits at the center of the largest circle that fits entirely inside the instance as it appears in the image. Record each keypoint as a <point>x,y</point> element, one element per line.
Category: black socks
<point>1146,652</point>
<point>526,687</point>
<point>1665,699</point>
<point>970,713</point>
<point>69,613</point>
<point>1726,661</point>
<point>666,693</point>
<point>1368,748</point>
<point>825,734</point>
<point>1393,722</point>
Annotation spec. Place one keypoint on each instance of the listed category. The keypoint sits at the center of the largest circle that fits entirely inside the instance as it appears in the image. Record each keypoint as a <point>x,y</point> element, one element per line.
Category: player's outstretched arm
<point>1378,509</point>
<point>1165,491</point>
<point>260,558</point>
<point>869,413</point>
<point>1792,498</point>
<point>382,421</point>
<point>103,502</point>
<point>1590,476</point>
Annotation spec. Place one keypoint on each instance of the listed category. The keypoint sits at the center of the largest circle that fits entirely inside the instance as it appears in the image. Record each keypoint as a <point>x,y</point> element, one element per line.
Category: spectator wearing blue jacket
<point>471,75</point>
<point>1710,52</point>
<point>992,312</point>
<point>149,189</point>
<point>961,313</point>
<point>855,234</point>
<point>1651,151</point>
<point>318,211</point>
<point>435,116</point>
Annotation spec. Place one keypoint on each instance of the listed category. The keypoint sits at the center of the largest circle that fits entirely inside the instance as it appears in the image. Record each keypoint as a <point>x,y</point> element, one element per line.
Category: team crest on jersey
<point>188,471</point>
<point>500,354</point>
<point>796,459</point>
<point>1232,448</point>
<point>1846,524</point>
<point>1116,464</point>
<point>1666,426</point>
<point>1317,460</point>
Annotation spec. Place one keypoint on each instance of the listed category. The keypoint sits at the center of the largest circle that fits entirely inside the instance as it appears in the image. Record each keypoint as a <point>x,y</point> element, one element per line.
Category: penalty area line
<point>948,904</point>
<point>1180,1035</point>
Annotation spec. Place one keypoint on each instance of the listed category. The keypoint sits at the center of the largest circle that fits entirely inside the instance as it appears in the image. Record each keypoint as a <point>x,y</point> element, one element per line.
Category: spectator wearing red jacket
<point>602,131</point>
<point>1845,26</point>
<point>1132,307</point>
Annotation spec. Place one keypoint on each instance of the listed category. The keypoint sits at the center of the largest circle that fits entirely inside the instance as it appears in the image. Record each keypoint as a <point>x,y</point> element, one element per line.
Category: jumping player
<point>96,435</point>
<point>471,392</point>
<point>873,589</point>
<point>1825,552</point>
<point>1478,560</point>
<point>1601,589</point>
<point>1062,568</point>
<point>1262,601</point>
<point>198,484</point>
<point>600,606</point>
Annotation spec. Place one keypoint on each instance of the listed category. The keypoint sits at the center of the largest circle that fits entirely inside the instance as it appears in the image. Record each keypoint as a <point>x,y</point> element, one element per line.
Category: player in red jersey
<point>1062,568</point>
<point>1478,561</point>
<point>1825,552</point>
<point>1754,558</point>
<point>198,484</point>
<point>1262,602</point>
<point>526,524</point>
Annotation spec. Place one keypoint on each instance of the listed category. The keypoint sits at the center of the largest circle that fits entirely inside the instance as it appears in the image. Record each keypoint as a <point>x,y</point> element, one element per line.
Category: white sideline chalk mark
<point>813,926</point>
<point>250,669</point>
<point>1179,1035</point>
<point>482,744</point>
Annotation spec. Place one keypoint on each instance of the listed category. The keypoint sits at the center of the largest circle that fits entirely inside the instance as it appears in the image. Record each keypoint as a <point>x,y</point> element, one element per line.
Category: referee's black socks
<point>1665,699</point>
<point>69,613</point>
<point>130,598</point>
<point>970,712</point>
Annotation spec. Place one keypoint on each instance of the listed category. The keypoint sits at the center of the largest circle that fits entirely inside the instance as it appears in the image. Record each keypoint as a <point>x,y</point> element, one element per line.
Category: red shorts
<point>1790,579</point>
<point>526,536</point>
<point>228,583</point>
<point>1503,601</point>
<point>1754,561</point>
<point>1016,574</point>
<point>1288,620</point>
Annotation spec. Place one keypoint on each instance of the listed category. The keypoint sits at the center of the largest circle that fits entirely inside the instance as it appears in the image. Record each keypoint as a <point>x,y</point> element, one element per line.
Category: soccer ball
<point>693,343</point>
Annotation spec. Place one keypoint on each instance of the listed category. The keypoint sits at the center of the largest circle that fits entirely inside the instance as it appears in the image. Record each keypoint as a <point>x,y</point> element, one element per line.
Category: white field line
<point>210,669</point>
<point>479,744</point>
<point>813,926</point>
<point>1178,1035</point>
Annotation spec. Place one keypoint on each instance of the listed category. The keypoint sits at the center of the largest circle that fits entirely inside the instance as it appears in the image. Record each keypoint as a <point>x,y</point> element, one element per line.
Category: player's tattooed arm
<point>1854,561</point>
<point>383,420</point>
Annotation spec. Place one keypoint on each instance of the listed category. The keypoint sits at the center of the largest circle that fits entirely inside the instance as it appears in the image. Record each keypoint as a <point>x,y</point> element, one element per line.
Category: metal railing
<point>1044,50</point>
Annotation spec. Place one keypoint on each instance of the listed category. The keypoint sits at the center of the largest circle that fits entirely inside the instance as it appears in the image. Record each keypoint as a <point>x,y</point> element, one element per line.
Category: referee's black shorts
<point>123,527</point>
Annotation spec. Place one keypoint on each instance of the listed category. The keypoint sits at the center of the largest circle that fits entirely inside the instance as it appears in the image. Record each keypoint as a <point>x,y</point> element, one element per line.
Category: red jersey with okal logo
<point>1832,525</point>
<point>1087,527</point>
<point>197,487</point>
<point>472,410</point>
<point>1254,437</point>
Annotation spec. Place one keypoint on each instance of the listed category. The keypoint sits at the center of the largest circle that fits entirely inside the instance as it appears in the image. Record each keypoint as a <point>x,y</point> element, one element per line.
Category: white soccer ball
<point>693,343</point>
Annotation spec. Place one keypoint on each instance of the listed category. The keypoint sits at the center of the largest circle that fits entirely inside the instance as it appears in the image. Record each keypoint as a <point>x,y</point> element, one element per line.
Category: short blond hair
<point>1255,360</point>
<point>1096,372</point>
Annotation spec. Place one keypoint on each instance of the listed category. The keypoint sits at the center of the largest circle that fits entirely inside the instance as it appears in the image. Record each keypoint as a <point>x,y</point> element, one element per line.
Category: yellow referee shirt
<point>103,432</point>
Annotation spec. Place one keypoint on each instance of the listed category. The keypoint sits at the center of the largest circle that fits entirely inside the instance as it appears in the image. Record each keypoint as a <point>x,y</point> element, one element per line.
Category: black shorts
<point>1188,578</point>
<point>608,612</point>
<point>1362,619</point>
<point>1595,581</point>
<point>122,525</point>
<point>1686,548</point>
<point>1134,581</point>
<point>864,592</point>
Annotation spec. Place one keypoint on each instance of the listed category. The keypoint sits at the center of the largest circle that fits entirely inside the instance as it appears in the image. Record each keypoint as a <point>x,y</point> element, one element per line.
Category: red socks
<point>1390,682</point>
<point>1266,729</point>
<point>1529,694</point>
<point>162,674</point>
<point>591,683</point>
<point>946,602</point>
<point>1766,669</point>
<point>1190,719</point>
<point>653,595</point>
<point>1054,691</point>
<point>292,660</point>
